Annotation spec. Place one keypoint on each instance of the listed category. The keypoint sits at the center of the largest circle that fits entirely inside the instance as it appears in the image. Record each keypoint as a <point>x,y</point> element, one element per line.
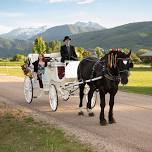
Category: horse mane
<point>111,58</point>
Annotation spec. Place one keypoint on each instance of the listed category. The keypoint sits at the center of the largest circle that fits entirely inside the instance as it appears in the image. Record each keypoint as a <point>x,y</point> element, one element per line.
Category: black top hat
<point>66,38</point>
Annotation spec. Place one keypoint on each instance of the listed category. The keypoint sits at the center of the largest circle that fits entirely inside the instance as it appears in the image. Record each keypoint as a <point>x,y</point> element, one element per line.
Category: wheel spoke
<point>53,97</point>
<point>28,90</point>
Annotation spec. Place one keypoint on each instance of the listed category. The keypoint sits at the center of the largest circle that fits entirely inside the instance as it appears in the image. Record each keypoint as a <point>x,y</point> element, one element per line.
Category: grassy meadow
<point>20,133</point>
<point>11,68</point>
<point>140,80</point>
<point>13,71</point>
<point>9,63</point>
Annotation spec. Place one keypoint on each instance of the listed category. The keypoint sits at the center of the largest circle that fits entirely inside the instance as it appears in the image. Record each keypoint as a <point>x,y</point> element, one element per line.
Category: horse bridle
<point>122,71</point>
<point>116,78</point>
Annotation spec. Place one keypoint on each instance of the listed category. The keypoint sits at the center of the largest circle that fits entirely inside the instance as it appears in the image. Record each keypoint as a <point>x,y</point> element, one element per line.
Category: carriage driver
<point>39,67</point>
<point>68,51</point>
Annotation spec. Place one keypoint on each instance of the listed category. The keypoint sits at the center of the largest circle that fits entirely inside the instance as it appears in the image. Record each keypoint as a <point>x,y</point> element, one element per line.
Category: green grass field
<point>12,71</point>
<point>9,63</point>
<point>140,80</point>
<point>19,133</point>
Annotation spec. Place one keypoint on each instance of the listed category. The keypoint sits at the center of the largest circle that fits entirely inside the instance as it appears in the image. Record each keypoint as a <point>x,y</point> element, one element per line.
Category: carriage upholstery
<point>71,69</point>
<point>61,72</point>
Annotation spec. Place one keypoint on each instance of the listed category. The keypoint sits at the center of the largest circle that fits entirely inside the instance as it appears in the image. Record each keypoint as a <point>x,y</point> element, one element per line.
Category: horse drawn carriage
<point>91,75</point>
<point>59,80</point>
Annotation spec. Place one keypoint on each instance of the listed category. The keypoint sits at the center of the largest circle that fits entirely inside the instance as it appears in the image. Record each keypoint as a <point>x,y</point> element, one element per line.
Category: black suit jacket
<point>65,55</point>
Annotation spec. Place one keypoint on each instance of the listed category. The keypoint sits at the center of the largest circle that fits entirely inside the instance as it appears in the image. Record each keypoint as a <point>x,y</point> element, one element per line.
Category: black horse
<point>114,68</point>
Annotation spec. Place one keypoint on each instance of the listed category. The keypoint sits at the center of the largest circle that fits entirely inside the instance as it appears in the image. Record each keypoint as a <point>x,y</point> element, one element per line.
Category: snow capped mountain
<point>56,32</point>
<point>24,33</point>
<point>93,25</point>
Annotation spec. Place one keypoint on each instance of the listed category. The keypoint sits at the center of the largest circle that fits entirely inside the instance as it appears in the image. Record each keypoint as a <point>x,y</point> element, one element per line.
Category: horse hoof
<point>103,122</point>
<point>80,113</point>
<point>111,121</point>
<point>91,114</point>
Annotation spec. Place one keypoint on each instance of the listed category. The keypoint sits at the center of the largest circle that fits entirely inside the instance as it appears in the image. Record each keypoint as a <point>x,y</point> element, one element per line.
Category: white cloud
<point>86,1</point>
<point>57,1</point>
<point>36,0</point>
<point>75,1</point>
<point>5,29</point>
<point>11,14</point>
<point>62,1</point>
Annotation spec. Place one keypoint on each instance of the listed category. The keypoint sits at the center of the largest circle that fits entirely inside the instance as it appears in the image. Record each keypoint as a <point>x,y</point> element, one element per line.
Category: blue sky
<point>109,13</point>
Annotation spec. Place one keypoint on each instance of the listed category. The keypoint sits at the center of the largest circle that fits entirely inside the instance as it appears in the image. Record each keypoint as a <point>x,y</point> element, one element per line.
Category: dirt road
<point>133,113</point>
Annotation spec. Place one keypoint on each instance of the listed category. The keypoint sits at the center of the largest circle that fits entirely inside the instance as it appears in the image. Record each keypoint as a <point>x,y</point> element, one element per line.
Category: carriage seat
<point>71,69</point>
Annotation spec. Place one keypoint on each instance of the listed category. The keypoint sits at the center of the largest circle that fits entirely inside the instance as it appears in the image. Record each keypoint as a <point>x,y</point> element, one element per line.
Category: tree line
<point>40,46</point>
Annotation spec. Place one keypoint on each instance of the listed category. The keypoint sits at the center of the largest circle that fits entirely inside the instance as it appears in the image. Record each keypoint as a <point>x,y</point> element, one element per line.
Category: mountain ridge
<point>58,32</point>
<point>23,33</point>
<point>133,36</point>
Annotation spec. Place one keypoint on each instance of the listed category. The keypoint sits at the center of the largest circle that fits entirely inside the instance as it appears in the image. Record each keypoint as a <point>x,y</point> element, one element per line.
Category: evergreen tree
<point>99,52</point>
<point>47,47</point>
<point>39,45</point>
<point>79,52</point>
<point>54,46</point>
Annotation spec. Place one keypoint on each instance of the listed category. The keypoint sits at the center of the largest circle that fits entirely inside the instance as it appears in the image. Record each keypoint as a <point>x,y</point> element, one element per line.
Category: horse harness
<point>106,72</point>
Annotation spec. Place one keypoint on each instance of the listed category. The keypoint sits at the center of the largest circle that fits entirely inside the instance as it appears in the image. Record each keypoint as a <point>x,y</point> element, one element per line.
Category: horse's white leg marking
<point>80,109</point>
<point>89,110</point>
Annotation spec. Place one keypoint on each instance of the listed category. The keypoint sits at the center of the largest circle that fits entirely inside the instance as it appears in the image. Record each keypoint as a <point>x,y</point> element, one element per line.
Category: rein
<point>106,72</point>
<point>107,75</point>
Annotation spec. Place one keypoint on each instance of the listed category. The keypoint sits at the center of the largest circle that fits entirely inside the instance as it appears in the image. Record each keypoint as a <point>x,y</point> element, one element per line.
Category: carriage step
<point>35,97</point>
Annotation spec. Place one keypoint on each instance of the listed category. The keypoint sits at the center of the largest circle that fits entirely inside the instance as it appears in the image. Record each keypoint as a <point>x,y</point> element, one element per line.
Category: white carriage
<point>59,80</point>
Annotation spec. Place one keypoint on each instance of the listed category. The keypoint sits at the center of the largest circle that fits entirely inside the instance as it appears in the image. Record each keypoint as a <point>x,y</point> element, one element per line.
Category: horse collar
<point>109,76</point>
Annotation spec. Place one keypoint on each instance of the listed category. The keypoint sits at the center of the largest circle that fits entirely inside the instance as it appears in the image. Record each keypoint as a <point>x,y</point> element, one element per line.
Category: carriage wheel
<point>93,100</point>
<point>28,89</point>
<point>53,97</point>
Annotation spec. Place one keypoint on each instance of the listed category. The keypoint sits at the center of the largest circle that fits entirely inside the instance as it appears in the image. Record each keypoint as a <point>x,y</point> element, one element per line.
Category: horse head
<point>120,63</point>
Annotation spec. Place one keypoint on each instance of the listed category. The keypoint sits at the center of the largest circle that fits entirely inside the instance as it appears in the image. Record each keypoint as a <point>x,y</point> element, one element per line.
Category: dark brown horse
<point>114,68</point>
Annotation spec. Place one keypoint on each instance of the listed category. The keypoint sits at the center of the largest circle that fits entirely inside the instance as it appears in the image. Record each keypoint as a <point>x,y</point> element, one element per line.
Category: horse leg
<point>103,121</point>
<point>81,94</point>
<point>89,108</point>
<point>111,104</point>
